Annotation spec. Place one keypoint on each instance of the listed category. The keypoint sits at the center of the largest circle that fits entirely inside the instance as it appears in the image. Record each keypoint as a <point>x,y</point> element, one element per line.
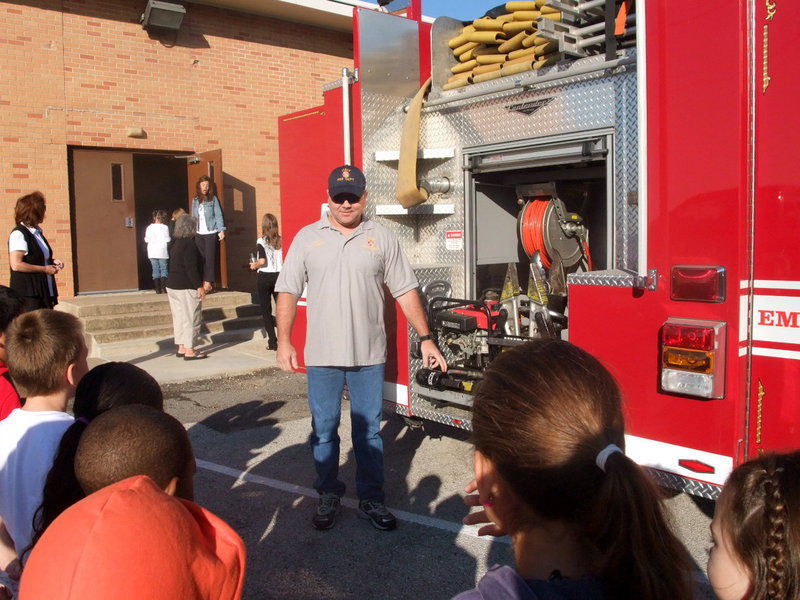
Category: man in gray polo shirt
<point>345,261</point>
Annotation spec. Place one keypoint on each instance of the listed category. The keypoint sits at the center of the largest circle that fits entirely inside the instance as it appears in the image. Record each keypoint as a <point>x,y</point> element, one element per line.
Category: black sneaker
<point>326,511</point>
<point>377,514</point>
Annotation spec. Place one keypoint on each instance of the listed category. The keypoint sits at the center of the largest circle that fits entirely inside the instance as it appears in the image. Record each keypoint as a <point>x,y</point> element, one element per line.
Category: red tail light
<point>695,283</point>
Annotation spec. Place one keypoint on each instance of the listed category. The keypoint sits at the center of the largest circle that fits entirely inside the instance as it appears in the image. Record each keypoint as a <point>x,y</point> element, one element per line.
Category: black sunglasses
<point>342,198</point>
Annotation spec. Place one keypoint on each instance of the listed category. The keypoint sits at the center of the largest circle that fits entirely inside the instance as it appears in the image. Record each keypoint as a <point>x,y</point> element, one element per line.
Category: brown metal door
<point>209,163</point>
<point>105,233</point>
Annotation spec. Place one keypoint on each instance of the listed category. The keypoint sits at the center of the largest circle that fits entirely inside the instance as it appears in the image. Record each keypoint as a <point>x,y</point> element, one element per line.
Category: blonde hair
<point>41,345</point>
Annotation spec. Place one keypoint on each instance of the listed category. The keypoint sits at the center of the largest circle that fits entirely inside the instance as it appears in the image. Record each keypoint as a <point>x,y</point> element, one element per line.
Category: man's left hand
<point>431,357</point>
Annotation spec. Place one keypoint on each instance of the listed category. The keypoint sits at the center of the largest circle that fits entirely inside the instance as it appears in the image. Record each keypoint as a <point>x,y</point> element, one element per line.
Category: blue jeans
<point>325,387</point>
<point>159,267</point>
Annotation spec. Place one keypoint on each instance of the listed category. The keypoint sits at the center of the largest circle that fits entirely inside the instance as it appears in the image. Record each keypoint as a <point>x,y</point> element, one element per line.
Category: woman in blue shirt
<point>210,228</point>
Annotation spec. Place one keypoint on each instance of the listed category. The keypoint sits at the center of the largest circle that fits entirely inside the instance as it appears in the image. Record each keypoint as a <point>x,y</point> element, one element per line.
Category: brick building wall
<point>80,73</point>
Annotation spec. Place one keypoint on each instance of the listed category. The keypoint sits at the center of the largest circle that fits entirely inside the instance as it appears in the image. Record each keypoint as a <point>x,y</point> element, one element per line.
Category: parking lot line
<point>427,521</point>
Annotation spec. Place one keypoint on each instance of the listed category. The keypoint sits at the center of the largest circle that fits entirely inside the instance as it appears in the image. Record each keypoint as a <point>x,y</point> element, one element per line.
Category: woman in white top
<point>156,236</point>
<point>30,256</point>
<point>268,263</point>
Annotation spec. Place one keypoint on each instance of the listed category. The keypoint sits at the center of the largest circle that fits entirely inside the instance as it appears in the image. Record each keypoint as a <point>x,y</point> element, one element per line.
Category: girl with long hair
<point>268,263</point>
<point>755,534</point>
<point>551,472</point>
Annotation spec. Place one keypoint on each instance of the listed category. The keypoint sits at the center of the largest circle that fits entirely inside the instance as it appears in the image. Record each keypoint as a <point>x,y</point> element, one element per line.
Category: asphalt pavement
<point>249,425</point>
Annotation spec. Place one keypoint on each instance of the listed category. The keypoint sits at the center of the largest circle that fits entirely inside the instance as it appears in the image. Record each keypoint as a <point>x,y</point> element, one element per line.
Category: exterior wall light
<point>164,16</point>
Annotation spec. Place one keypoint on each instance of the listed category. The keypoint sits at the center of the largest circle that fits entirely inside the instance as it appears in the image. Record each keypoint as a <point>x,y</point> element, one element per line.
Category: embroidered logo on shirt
<point>370,244</point>
<point>316,243</point>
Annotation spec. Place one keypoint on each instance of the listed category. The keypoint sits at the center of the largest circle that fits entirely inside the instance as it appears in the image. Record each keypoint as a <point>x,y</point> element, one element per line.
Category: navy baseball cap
<point>346,180</point>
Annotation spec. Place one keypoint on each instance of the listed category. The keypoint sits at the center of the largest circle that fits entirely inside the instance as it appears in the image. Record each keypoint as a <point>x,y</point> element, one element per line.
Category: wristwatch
<point>426,337</point>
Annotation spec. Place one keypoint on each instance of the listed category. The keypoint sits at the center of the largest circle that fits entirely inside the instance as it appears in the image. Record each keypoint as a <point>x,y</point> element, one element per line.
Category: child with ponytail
<point>550,471</point>
<point>755,552</point>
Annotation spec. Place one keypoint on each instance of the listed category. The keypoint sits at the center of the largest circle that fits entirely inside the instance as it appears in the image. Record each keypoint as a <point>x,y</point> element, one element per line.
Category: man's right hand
<point>287,357</point>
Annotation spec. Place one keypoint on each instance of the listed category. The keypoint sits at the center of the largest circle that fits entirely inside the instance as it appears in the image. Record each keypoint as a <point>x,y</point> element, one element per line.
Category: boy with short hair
<point>134,538</point>
<point>11,306</point>
<point>47,358</point>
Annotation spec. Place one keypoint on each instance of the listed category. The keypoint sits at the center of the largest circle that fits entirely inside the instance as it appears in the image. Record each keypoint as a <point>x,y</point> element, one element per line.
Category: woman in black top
<point>185,288</point>
<point>30,256</point>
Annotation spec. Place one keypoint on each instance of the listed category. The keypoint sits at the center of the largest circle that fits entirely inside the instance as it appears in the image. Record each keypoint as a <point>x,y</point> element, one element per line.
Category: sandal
<point>198,356</point>
<point>180,354</point>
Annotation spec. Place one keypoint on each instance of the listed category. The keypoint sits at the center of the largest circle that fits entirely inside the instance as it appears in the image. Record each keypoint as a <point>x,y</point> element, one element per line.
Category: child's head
<point>177,213</point>
<point>106,386</point>
<point>756,531</point>
<point>136,440</point>
<point>115,384</point>
<point>549,438</point>
<point>160,216</point>
<point>11,306</point>
<point>46,352</point>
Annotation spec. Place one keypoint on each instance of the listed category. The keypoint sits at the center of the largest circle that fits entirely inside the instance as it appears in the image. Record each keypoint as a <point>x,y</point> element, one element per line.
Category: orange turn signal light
<point>697,361</point>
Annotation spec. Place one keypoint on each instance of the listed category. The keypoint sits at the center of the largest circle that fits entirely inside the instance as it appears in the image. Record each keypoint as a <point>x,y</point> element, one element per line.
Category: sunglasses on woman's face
<point>342,198</point>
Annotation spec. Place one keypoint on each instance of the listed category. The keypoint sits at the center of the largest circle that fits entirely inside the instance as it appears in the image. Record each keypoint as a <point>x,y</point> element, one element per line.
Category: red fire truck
<point>635,197</point>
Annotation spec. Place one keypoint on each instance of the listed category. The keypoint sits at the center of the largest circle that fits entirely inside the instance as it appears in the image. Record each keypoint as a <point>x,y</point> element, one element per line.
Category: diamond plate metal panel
<point>581,103</point>
<point>605,278</point>
<point>683,484</point>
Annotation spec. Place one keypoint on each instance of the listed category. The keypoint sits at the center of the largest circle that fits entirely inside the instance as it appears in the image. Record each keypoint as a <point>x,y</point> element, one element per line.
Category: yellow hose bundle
<point>555,16</point>
<point>507,44</point>
<point>466,66</point>
<point>514,27</point>
<point>490,59</point>
<point>484,50</point>
<point>469,55</point>
<point>458,76</point>
<point>486,68</point>
<point>407,192</point>
<point>461,38</point>
<point>517,67</point>
<point>533,40</point>
<point>521,52</point>
<point>464,47</point>
<point>515,6</point>
<point>515,43</point>
<point>486,76</point>
<point>485,24</point>
<point>546,48</point>
<point>488,37</point>
<point>455,84</point>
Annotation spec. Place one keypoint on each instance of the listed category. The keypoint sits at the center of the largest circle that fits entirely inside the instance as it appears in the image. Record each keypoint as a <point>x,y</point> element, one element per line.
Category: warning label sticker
<point>454,240</point>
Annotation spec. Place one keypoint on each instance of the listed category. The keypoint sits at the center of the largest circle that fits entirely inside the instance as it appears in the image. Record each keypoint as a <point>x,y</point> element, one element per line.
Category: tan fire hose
<point>407,192</point>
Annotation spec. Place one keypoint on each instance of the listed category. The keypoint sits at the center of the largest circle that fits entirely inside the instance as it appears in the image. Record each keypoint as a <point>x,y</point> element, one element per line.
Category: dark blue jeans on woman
<point>365,385</point>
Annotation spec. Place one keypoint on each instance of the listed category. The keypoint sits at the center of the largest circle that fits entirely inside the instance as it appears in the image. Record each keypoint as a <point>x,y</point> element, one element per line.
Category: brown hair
<point>761,518</point>
<point>160,216</point>
<point>542,414</point>
<point>41,345</point>
<point>30,209</point>
<point>269,230</point>
<point>132,440</point>
<point>177,213</point>
<point>211,190</point>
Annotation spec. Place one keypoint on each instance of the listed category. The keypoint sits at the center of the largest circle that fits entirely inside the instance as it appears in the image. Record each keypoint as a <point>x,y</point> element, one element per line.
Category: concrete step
<point>146,348</point>
<point>162,317</point>
<point>144,301</point>
<point>149,331</point>
<point>116,323</point>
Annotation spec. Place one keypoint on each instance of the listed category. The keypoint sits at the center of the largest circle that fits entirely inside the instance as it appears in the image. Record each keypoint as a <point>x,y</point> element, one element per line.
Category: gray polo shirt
<point>345,277</point>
